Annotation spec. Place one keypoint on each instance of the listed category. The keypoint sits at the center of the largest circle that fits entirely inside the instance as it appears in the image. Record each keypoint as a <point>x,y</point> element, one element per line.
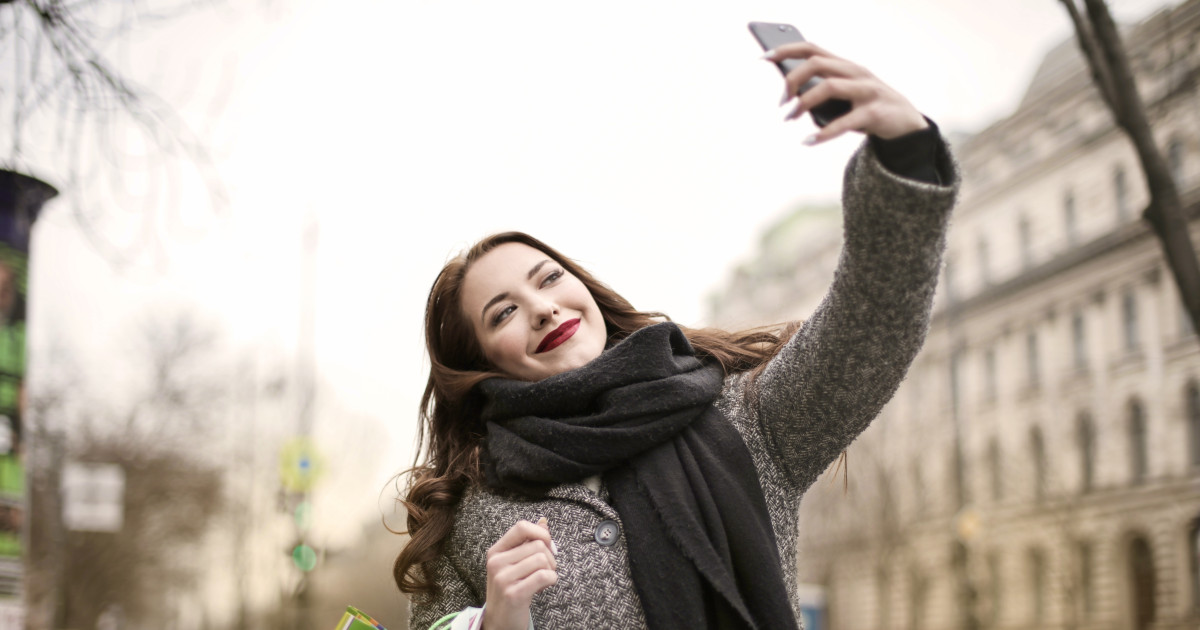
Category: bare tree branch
<point>1106,55</point>
<point>95,97</point>
<point>1101,76</point>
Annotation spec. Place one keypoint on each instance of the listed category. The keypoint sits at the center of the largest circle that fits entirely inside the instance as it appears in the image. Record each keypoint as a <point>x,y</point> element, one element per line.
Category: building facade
<point>1040,466</point>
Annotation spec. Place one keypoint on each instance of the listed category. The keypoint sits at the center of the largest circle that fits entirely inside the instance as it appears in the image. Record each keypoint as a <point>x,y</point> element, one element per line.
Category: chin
<point>566,364</point>
<point>576,364</point>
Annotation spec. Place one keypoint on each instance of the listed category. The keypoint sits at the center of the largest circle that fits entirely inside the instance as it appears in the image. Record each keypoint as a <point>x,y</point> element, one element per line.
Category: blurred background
<point>221,221</point>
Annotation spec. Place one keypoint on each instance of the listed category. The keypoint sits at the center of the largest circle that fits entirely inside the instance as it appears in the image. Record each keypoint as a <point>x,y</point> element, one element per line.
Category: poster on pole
<point>12,615</point>
<point>13,278</point>
<point>93,497</point>
<point>21,201</point>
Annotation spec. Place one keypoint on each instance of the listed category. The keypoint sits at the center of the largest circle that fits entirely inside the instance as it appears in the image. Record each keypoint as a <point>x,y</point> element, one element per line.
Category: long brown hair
<point>451,433</point>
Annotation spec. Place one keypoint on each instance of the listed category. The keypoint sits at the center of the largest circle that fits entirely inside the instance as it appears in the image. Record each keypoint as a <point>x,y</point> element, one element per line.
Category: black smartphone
<point>771,36</point>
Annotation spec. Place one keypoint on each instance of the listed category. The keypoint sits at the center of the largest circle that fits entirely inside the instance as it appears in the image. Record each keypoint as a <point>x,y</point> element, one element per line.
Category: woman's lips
<point>558,336</point>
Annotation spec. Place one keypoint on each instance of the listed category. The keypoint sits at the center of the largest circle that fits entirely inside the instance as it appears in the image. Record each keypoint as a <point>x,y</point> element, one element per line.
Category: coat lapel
<point>580,493</point>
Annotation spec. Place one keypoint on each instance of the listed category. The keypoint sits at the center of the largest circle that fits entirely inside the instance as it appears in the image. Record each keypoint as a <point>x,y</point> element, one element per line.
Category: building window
<point>1025,241</point>
<point>919,586</point>
<point>1137,441</point>
<point>995,587</point>
<point>919,487</point>
<point>1129,320</point>
<point>1037,450</point>
<point>1141,583</point>
<point>956,378</point>
<point>1193,421</point>
<point>884,586</point>
<point>985,263</point>
<point>1175,159</point>
<point>1087,590</point>
<point>1032,362</point>
<point>1121,193</point>
<point>958,481</point>
<point>995,470</point>
<point>1038,584</point>
<point>1079,340</point>
<point>1194,558</point>
<point>1069,218</point>
<point>989,374</point>
<point>1087,452</point>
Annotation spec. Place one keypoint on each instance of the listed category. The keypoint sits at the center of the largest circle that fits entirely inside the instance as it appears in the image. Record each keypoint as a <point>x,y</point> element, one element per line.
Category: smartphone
<point>771,36</point>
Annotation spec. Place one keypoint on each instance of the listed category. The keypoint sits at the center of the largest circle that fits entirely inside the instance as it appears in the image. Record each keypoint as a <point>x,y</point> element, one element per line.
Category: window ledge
<point>1183,346</point>
<point>1030,390</point>
<point>1077,376</point>
<point>1129,361</point>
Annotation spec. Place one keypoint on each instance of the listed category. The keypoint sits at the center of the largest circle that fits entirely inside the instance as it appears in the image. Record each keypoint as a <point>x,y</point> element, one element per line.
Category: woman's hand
<point>877,109</point>
<point>520,565</point>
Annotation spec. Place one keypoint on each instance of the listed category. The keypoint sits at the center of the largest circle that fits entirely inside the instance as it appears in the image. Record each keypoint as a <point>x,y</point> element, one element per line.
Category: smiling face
<point>532,318</point>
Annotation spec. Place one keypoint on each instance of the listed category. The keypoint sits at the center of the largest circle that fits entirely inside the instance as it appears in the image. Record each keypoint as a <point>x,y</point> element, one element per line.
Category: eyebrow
<point>503,296</point>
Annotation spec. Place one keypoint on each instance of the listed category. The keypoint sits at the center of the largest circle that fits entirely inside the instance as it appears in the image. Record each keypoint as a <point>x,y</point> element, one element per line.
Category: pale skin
<point>877,109</point>
<point>522,563</point>
<point>516,297</point>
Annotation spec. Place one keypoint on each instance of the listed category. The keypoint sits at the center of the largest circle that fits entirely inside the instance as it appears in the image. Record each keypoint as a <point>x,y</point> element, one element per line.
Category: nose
<point>543,312</point>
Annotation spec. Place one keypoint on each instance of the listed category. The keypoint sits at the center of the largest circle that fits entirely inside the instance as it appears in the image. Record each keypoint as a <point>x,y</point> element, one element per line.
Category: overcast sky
<point>641,138</point>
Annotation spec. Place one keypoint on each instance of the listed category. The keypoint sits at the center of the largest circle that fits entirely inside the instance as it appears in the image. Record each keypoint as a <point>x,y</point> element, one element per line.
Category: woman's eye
<point>503,314</point>
<point>552,277</point>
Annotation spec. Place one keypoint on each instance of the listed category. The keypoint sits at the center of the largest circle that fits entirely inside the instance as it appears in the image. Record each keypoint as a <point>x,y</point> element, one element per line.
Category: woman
<point>587,465</point>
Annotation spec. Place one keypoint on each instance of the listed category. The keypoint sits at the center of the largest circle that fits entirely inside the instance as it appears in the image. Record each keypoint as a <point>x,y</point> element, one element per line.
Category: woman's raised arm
<point>832,378</point>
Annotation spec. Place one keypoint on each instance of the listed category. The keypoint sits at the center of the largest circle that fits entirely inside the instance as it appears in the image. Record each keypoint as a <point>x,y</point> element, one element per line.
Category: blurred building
<point>1040,466</point>
<point>796,258</point>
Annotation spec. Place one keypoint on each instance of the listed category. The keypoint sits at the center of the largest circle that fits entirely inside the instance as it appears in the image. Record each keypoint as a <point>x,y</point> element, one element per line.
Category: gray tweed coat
<point>813,399</point>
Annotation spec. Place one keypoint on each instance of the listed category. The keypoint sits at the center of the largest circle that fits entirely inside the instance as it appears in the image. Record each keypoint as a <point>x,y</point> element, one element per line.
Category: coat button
<point>607,532</point>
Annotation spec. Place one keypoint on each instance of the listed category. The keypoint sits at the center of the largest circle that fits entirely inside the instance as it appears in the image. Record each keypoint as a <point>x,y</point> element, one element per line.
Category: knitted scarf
<point>701,547</point>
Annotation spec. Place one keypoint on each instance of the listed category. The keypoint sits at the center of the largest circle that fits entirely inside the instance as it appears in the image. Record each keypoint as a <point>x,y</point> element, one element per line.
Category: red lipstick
<point>557,336</point>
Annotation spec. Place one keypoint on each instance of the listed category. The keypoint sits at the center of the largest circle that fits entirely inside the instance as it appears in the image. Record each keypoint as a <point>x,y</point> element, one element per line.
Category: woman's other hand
<point>877,109</point>
<point>520,565</point>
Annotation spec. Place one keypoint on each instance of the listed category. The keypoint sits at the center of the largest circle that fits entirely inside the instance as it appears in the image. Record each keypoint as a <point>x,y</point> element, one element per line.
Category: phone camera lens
<point>783,27</point>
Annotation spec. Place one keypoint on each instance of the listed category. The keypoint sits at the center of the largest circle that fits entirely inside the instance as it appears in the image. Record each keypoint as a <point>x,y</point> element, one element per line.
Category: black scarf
<point>701,547</point>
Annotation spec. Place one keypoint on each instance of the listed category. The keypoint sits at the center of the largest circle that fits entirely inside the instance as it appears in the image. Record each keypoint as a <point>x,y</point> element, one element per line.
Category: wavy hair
<point>451,433</point>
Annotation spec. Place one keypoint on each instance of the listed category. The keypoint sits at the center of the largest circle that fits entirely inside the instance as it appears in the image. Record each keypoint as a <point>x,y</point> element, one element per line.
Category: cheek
<point>583,298</point>
<point>506,348</point>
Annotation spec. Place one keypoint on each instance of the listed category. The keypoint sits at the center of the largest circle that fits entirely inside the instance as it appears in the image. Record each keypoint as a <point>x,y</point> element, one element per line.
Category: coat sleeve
<point>455,595</point>
<point>832,378</point>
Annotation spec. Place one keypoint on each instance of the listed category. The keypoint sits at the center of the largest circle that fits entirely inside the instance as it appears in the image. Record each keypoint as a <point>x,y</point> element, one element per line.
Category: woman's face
<point>532,318</point>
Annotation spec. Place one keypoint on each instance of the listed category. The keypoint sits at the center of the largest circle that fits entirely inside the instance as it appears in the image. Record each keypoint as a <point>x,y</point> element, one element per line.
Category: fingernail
<point>542,521</point>
<point>769,55</point>
<point>811,140</point>
<point>787,96</point>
